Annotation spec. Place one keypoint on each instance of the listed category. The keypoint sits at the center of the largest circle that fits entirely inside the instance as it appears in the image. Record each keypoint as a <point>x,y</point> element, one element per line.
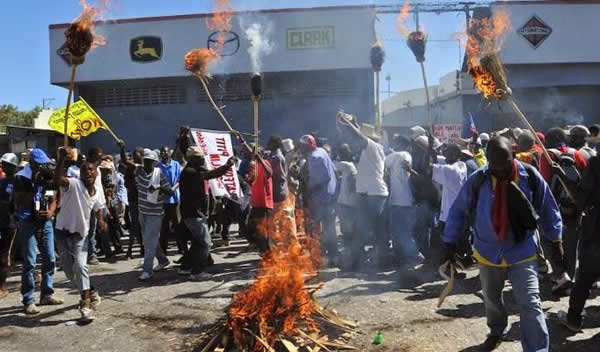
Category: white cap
<point>417,131</point>
<point>150,154</point>
<point>288,145</point>
<point>10,158</point>
<point>484,137</point>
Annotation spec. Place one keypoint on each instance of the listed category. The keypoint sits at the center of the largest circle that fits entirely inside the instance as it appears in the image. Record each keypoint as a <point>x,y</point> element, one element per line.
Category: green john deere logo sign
<point>146,49</point>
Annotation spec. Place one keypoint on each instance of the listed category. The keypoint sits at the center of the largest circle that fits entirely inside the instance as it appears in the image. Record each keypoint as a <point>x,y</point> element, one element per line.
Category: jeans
<point>588,273</point>
<point>7,237</point>
<point>525,286</point>
<point>73,252</point>
<point>197,258</point>
<point>422,230</point>
<point>91,238</point>
<point>324,215</point>
<point>347,215</point>
<point>151,231</point>
<point>370,221</point>
<point>134,227</point>
<point>401,221</point>
<point>29,245</point>
<point>169,223</point>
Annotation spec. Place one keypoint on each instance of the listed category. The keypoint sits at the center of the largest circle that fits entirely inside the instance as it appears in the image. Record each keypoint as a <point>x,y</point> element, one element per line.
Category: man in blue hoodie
<point>503,249</point>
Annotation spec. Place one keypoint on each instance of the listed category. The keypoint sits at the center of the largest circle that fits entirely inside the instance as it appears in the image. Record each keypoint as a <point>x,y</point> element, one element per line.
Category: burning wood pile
<point>278,311</point>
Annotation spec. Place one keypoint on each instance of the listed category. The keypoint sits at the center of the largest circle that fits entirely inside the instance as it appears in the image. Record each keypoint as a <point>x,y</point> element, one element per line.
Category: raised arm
<point>129,165</point>
<point>59,175</point>
<point>220,171</point>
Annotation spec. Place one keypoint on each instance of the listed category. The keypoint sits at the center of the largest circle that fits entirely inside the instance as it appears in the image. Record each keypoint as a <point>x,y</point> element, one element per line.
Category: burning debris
<point>278,311</point>
<point>416,42</point>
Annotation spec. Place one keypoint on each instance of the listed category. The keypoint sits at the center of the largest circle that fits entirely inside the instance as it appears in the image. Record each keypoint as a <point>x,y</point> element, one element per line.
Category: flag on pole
<point>469,126</point>
<point>83,120</point>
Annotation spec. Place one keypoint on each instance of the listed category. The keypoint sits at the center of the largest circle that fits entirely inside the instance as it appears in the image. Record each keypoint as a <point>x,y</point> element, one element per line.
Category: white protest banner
<point>217,149</point>
<point>447,133</point>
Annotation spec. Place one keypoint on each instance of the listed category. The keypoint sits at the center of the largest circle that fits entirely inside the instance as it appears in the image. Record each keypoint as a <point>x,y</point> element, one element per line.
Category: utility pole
<point>46,100</point>
<point>388,78</point>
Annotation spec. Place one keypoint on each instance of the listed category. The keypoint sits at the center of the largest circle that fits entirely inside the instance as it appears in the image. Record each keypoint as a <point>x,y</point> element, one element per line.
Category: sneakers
<point>93,261</point>
<point>145,276</point>
<point>161,267</point>
<point>181,271</point>
<point>564,320</point>
<point>491,343</point>
<point>562,283</point>
<point>50,301</point>
<point>95,299</point>
<point>31,309</point>
<point>86,311</point>
<point>203,276</point>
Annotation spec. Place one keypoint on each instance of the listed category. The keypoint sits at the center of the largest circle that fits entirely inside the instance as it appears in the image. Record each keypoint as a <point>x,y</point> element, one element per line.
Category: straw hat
<point>369,131</point>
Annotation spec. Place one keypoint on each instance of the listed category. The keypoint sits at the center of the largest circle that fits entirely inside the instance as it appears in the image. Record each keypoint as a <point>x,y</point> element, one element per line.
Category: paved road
<point>169,313</point>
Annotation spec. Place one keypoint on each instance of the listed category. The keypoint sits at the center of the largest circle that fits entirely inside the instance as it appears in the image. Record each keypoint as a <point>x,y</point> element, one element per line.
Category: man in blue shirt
<point>172,170</point>
<point>502,252</point>
<point>35,205</point>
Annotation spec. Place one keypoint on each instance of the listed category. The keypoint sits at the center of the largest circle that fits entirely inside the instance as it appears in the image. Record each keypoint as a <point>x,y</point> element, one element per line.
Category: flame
<point>198,60</point>
<point>484,42</point>
<point>80,35</point>
<point>278,302</point>
<point>401,19</point>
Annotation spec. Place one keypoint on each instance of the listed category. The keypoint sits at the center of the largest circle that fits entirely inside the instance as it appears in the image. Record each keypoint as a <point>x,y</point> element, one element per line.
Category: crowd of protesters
<point>494,199</point>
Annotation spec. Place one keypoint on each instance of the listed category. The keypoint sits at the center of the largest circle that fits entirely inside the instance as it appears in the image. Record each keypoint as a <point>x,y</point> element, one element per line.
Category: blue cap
<point>38,156</point>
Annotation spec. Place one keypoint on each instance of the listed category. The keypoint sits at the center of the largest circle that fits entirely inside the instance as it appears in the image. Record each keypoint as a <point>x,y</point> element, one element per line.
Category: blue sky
<point>24,63</point>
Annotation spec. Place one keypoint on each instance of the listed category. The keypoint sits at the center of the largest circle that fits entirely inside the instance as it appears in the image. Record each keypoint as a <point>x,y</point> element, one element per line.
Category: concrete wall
<point>284,115</point>
<point>349,33</point>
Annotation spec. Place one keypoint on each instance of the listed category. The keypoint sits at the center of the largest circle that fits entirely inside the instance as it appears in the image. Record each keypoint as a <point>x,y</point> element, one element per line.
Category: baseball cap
<point>150,154</point>
<point>39,156</point>
<point>10,158</point>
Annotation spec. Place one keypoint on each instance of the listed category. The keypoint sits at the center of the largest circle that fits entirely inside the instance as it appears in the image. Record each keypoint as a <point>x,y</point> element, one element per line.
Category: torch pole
<point>427,96</point>
<point>71,88</point>
<point>521,116</point>
<point>377,107</point>
<point>220,113</point>
<point>255,103</point>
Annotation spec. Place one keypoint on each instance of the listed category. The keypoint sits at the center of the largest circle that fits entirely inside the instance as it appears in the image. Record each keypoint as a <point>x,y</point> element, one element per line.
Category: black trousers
<point>587,274</point>
<point>168,226</point>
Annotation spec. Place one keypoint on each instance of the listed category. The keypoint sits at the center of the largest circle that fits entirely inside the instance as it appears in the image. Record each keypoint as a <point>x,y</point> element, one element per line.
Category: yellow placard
<point>82,122</point>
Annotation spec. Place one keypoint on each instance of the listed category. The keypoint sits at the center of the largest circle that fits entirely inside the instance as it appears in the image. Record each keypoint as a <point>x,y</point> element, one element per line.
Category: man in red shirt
<point>260,177</point>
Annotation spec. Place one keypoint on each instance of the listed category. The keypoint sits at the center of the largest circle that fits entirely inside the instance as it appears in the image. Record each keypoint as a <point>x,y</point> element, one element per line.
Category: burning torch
<point>487,70</point>
<point>79,38</point>
<point>377,59</point>
<point>416,43</point>
<point>256,87</point>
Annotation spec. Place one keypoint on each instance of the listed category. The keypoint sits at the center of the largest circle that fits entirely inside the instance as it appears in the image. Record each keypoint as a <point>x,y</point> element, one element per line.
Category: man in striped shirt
<point>152,186</point>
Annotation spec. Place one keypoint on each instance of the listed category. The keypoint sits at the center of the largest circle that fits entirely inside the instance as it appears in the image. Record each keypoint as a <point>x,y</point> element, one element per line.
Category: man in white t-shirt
<point>401,203</point>
<point>452,175</point>
<point>372,191</point>
<point>347,199</point>
<point>79,198</point>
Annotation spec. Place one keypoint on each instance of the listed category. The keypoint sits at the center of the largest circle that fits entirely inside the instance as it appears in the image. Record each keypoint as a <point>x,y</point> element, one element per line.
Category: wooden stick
<point>377,107</point>
<point>427,96</point>
<point>263,342</point>
<point>214,339</point>
<point>520,114</point>
<point>213,102</point>
<point>210,98</point>
<point>71,88</point>
<point>306,336</point>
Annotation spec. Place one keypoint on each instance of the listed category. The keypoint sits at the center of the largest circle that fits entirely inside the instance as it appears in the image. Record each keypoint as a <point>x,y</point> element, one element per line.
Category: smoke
<point>260,45</point>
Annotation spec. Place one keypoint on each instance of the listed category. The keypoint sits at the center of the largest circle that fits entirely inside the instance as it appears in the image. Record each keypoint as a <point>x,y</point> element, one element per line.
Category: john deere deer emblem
<point>145,49</point>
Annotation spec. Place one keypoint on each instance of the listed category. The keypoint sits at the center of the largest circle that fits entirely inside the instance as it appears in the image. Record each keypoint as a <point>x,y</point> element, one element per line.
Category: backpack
<point>573,174</point>
<point>482,176</point>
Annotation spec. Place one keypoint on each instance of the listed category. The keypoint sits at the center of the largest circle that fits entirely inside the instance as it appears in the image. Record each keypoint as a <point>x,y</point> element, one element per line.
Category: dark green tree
<point>11,115</point>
